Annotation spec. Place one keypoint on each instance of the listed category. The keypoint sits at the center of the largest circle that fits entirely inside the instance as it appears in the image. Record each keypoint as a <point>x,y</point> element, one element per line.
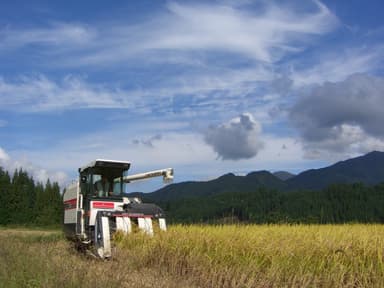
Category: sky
<point>204,87</point>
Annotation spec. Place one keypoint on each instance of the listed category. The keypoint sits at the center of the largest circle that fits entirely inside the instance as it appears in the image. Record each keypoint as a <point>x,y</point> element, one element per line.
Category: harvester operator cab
<point>103,178</point>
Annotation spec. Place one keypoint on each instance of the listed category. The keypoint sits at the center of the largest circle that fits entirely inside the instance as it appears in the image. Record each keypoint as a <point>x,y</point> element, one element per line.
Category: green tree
<point>5,191</point>
<point>49,204</point>
<point>22,198</point>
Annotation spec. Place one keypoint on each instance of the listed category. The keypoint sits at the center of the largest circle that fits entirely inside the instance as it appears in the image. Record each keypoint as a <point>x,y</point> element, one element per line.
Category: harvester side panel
<point>71,206</point>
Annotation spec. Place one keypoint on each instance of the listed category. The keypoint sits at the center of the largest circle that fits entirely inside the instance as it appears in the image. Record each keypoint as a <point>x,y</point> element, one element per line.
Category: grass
<point>203,256</point>
<point>44,259</point>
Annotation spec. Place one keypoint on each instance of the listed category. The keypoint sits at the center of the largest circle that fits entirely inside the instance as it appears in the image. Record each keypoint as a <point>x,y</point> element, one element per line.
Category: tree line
<point>338,203</point>
<point>24,202</point>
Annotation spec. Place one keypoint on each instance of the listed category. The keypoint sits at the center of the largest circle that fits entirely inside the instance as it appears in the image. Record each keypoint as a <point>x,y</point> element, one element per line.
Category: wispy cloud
<point>263,36</point>
<point>56,34</point>
<point>338,66</point>
<point>35,94</point>
<point>183,34</point>
<point>199,94</point>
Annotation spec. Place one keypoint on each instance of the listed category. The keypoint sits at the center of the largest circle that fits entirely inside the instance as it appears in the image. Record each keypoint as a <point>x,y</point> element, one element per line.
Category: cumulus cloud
<point>237,139</point>
<point>38,173</point>
<point>342,118</point>
<point>4,157</point>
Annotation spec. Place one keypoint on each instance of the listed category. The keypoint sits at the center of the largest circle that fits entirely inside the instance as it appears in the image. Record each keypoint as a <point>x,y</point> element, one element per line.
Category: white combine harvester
<point>95,206</point>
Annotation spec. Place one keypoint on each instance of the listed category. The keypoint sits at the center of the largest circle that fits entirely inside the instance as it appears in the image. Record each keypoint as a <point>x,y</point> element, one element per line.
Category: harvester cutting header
<point>95,205</point>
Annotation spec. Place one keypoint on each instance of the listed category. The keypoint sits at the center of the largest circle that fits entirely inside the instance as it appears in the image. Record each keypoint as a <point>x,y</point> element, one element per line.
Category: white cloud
<point>4,157</point>
<point>38,173</point>
<point>60,35</point>
<point>33,94</point>
<point>182,34</point>
<point>195,94</point>
<point>237,139</point>
<point>264,35</point>
<point>338,66</point>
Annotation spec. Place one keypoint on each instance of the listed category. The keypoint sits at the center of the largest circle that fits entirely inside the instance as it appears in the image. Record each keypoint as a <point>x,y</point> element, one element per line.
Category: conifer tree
<point>5,186</point>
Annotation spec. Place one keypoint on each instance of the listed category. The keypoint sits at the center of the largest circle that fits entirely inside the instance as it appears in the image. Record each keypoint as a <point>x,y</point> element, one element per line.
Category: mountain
<point>226,183</point>
<point>284,175</point>
<point>368,169</point>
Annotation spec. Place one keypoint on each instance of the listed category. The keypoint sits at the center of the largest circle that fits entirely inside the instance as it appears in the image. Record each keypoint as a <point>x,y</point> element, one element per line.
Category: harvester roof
<point>102,164</point>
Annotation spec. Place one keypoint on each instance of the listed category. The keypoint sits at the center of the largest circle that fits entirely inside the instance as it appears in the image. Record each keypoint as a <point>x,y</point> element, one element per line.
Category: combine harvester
<point>95,206</point>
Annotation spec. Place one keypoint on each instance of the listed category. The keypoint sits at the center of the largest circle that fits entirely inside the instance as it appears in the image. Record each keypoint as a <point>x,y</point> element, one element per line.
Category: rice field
<point>203,256</point>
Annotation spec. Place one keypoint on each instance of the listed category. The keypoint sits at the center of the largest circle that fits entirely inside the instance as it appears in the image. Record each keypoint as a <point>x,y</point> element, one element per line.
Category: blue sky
<point>205,87</point>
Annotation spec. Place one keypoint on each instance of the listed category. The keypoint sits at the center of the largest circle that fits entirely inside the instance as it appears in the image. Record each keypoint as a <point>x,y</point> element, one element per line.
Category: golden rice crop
<point>269,255</point>
<point>203,256</point>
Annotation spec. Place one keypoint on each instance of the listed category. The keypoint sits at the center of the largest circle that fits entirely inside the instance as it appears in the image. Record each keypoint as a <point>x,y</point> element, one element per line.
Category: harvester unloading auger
<point>95,206</point>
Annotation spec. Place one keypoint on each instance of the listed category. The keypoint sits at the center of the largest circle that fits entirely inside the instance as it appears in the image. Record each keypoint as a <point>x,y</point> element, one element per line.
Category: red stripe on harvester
<point>70,204</point>
<point>103,205</point>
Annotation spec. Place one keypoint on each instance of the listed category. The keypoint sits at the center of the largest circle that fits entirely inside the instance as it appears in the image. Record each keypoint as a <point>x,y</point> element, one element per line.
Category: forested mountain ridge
<point>348,191</point>
<point>367,169</point>
<point>225,183</point>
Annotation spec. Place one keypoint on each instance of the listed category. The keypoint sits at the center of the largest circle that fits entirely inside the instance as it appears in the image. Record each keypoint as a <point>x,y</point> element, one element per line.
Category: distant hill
<point>226,183</point>
<point>368,169</point>
<point>283,175</point>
